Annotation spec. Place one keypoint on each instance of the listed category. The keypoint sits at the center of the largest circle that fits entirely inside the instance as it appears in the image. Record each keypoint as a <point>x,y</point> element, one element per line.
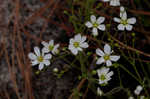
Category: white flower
<point>131,97</point>
<point>124,22</point>
<point>138,90</point>
<point>77,43</point>
<point>106,56</point>
<point>113,2</point>
<point>50,47</point>
<point>39,58</point>
<point>99,91</point>
<point>104,75</point>
<point>96,24</point>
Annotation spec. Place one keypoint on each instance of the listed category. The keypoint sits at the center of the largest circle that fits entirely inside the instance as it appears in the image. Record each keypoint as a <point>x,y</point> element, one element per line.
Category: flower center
<point>95,25</point>
<point>102,77</point>
<point>51,47</point>
<point>124,22</point>
<point>40,59</point>
<point>106,57</point>
<point>76,44</point>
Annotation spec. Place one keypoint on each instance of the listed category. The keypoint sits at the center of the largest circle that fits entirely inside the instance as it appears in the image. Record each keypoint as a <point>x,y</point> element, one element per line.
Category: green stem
<point>130,74</point>
<point>121,85</point>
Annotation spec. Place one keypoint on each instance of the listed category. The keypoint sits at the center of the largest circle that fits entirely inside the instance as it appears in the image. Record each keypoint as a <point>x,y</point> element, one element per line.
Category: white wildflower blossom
<point>124,22</point>
<point>113,2</point>
<point>77,43</point>
<point>104,75</point>
<point>138,90</point>
<point>50,47</point>
<point>99,91</point>
<point>96,24</point>
<point>106,57</point>
<point>39,58</point>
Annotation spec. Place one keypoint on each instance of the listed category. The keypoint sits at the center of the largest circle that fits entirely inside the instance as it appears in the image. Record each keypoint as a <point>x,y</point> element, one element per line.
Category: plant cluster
<point>99,71</point>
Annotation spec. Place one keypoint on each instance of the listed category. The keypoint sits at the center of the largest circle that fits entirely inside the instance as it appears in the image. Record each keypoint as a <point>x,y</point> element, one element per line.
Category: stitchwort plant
<point>94,62</point>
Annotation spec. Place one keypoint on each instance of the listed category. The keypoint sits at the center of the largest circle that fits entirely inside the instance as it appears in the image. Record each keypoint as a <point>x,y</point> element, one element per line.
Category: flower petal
<point>124,16</point>
<point>79,49</point>
<point>117,20</point>
<point>108,63</point>
<point>48,56</point>
<point>41,65</point>
<point>45,44</point>
<point>107,79</point>
<point>105,70</point>
<point>110,74</point>
<point>131,97</point>
<point>32,56</point>
<point>121,27</point>
<point>83,39</point>
<point>100,60</point>
<point>99,71</point>
<point>131,20</point>
<point>55,50</point>
<point>115,3</point>
<point>35,62</point>
<point>71,41</point>
<point>122,9</point>
<point>107,49</point>
<point>95,34</point>
<point>99,91</point>
<point>74,51</point>
<point>56,46</point>
<point>89,24</point>
<point>136,92</point>
<point>129,27</point>
<point>37,51</point>
<point>139,88</point>
<point>45,50</point>
<point>100,20</point>
<point>101,27</point>
<point>71,47</point>
<point>93,18</point>
<point>95,31</point>
<point>99,52</point>
<point>77,37</point>
<point>51,42</point>
<point>101,82</point>
<point>84,45</point>
<point>114,58</point>
<point>46,62</point>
